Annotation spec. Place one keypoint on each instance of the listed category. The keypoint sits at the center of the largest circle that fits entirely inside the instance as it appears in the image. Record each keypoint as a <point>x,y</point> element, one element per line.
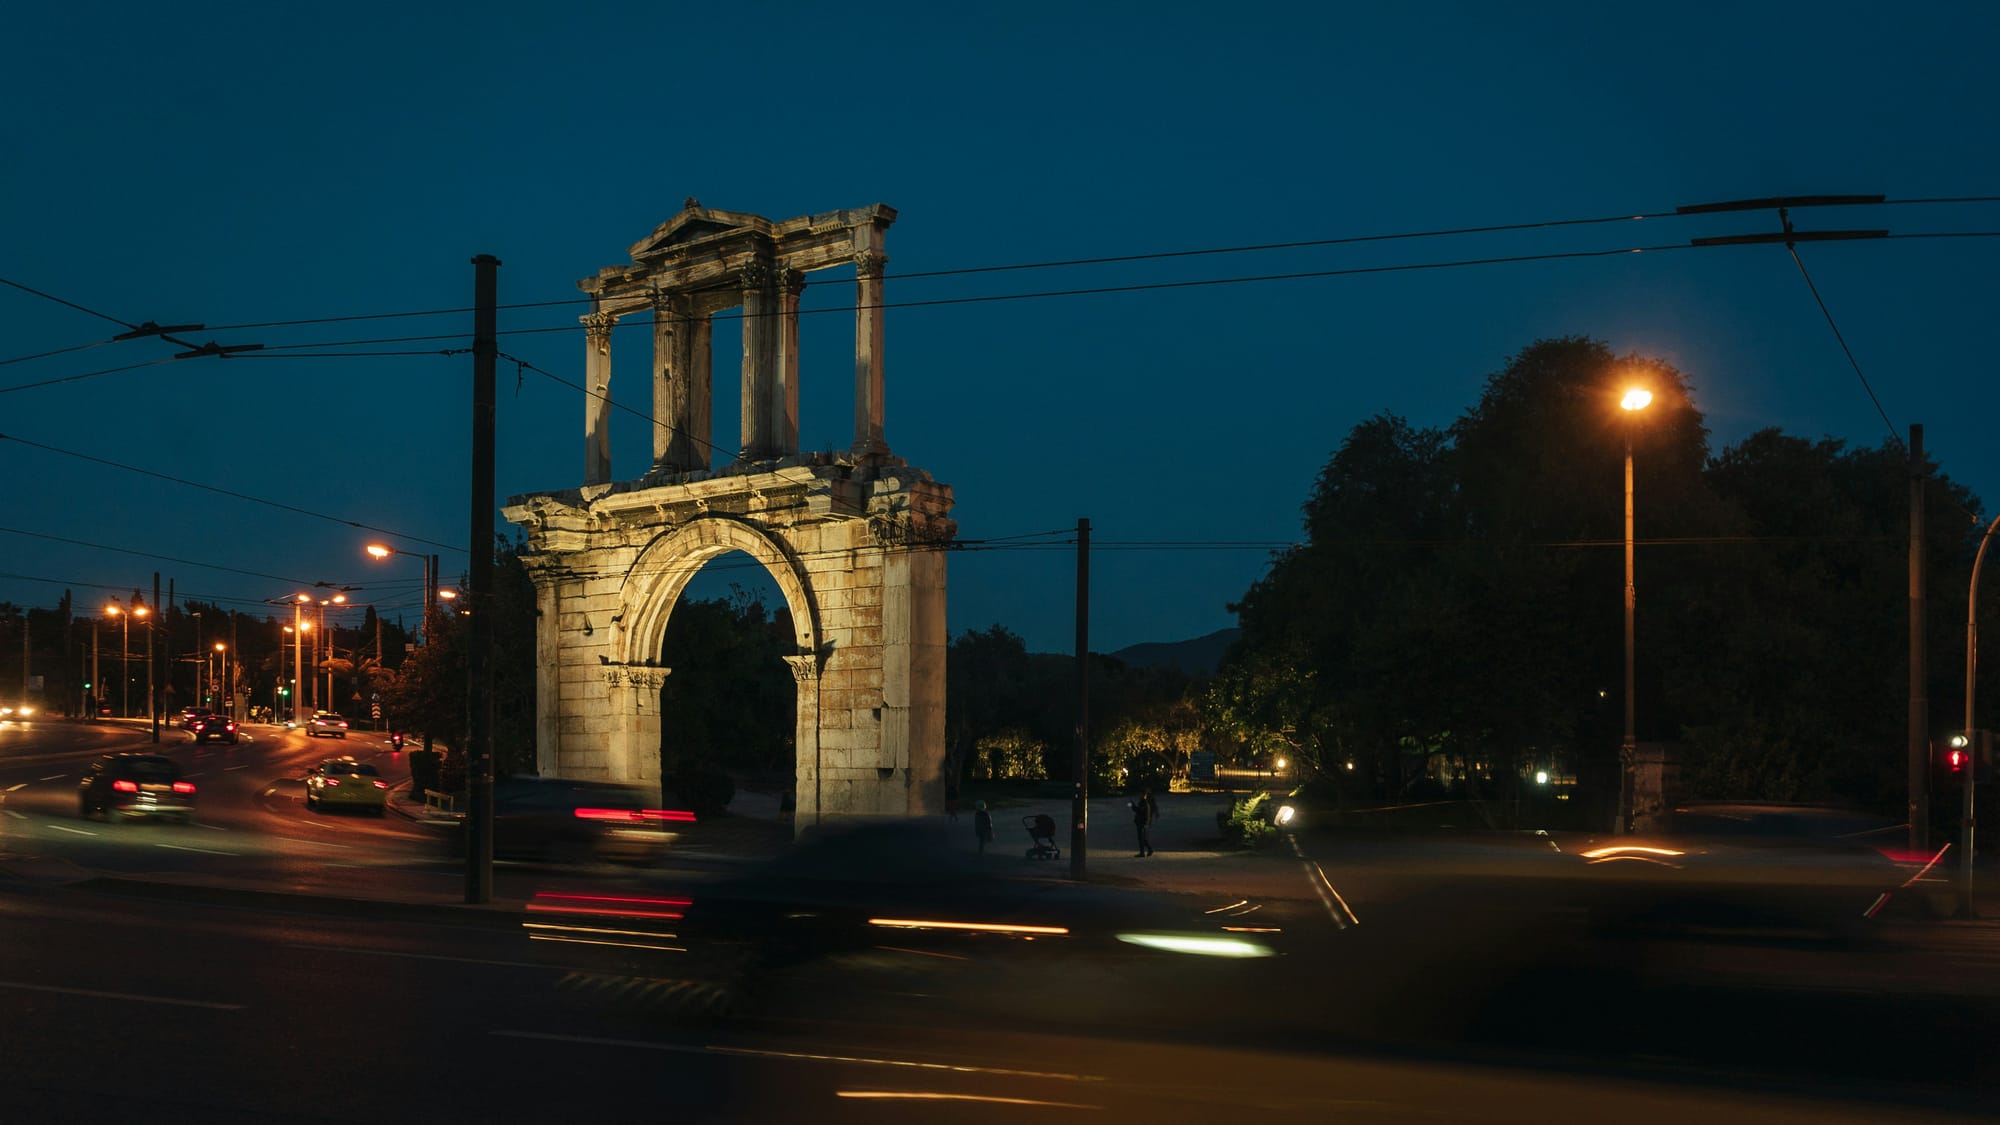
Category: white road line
<point>15,815</point>
<point>213,827</point>
<point>315,843</point>
<point>133,996</point>
<point>12,788</point>
<point>78,831</point>
<point>53,777</point>
<point>244,766</point>
<point>204,851</point>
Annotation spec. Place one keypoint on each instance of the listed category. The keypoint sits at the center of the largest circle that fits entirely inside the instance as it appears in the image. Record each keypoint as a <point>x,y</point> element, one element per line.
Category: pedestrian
<point>982,826</point>
<point>1144,812</point>
<point>951,798</point>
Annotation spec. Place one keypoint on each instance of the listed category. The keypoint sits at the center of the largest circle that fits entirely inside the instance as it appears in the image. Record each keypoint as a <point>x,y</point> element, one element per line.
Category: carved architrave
<point>649,679</point>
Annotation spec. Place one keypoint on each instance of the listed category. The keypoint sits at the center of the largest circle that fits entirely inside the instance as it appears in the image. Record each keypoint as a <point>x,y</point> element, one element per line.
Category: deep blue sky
<point>226,164</point>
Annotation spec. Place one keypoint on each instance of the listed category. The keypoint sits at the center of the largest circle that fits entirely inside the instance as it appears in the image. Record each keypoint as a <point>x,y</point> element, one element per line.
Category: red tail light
<point>232,727</point>
<point>183,786</point>
<point>635,814</point>
<point>381,784</point>
<point>125,786</point>
<point>333,783</point>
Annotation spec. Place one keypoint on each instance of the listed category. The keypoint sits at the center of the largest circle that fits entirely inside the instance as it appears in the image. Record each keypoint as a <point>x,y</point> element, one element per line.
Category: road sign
<point>374,710</point>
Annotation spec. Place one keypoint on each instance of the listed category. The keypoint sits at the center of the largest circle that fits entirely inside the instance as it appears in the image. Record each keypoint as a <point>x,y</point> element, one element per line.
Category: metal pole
<point>1919,744</point>
<point>152,675</point>
<point>298,664</point>
<point>96,684</point>
<point>1628,750</point>
<point>479,636</point>
<point>1079,805</point>
<point>430,606</point>
<point>125,679</point>
<point>1972,743</point>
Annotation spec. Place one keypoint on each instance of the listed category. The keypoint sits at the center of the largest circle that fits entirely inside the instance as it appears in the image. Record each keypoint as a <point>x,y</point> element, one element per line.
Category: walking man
<point>1144,813</point>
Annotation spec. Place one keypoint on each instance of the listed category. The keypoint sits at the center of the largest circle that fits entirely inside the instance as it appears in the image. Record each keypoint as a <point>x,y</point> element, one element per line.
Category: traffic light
<point>1968,754</point>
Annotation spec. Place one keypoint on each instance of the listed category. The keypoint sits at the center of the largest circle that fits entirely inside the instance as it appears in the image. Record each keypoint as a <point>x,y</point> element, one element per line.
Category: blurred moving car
<point>346,783</point>
<point>16,712</point>
<point>1736,870</point>
<point>190,716</point>
<point>327,723</point>
<point>211,727</point>
<point>569,821</point>
<point>134,786</point>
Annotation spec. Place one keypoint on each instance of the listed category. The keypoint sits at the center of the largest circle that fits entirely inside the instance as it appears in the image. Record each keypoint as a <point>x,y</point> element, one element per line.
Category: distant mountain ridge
<point>1200,656</point>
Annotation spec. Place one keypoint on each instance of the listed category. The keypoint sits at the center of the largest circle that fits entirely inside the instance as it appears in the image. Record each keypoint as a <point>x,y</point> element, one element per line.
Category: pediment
<point>695,224</point>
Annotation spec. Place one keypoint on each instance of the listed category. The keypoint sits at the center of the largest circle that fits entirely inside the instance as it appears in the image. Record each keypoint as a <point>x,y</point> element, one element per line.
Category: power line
<point>150,555</point>
<point>524,365</point>
<point>68,304</point>
<point>85,375</point>
<point>228,492</point>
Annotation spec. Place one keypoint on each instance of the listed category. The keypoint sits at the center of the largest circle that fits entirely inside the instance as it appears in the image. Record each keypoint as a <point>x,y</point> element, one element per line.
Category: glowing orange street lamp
<point>1635,400</point>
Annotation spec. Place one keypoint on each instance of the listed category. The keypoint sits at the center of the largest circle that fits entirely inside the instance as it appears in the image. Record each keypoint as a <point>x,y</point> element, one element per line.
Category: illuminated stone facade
<point>855,541</point>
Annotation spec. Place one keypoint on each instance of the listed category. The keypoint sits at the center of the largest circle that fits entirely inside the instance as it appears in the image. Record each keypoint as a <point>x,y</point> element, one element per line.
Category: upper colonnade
<point>704,261</point>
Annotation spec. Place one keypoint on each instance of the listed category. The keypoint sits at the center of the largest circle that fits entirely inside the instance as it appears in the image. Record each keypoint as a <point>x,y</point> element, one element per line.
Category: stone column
<point>868,339</point>
<point>785,382</point>
<point>597,398</point>
<point>548,676</point>
<point>669,388</point>
<point>806,758</point>
<point>701,388</point>
<point>758,321</point>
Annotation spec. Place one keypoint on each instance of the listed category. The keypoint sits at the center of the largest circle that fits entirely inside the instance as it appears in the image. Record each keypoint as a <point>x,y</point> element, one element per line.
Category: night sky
<point>236,165</point>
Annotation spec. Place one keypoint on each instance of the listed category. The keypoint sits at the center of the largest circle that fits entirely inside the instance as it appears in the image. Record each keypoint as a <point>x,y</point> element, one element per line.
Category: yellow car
<point>346,783</point>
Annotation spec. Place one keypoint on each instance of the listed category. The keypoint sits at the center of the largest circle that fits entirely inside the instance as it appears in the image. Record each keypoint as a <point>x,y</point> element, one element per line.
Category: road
<point>265,961</point>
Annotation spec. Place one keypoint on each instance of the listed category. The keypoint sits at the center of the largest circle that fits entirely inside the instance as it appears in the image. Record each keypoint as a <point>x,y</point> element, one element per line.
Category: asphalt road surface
<point>269,963</point>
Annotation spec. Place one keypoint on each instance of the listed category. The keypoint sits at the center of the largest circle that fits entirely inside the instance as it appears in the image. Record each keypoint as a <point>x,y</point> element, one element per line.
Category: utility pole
<point>236,668</point>
<point>152,673</point>
<point>1079,804</point>
<point>430,606</point>
<point>479,634</point>
<point>1920,701</point>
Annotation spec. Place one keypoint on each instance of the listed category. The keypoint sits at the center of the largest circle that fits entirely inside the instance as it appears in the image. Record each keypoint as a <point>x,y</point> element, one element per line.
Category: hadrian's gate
<point>854,540</point>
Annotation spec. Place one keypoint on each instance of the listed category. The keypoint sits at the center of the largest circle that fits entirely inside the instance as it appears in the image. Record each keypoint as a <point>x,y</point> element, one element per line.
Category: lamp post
<point>299,628</point>
<point>96,685</point>
<point>219,676</point>
<point>125,616</point>
<point>1635,400</point>
<point>380,551</point>
<point>326,639</point>
<point>1972,773</point>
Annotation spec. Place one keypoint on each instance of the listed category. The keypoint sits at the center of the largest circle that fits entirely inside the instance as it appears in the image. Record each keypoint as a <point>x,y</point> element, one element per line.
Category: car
<point>135,786</point>
<point>566,820</point>
<point>346,783</point>
<point>213,727</point>
<point>1738,869</point>
<point>16,712</point>
<point>327,723</point>
<point>190,716</point>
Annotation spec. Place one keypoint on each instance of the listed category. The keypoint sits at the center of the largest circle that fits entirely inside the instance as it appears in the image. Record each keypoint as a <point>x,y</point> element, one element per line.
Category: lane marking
<point>244,766</point>
<point>941,1096</point>
<point>15,815</point>
<point>78,831</point>
<point>700,1049</point>
<point>204,851</point>
<point>212,827</point>
<point>133,996</point>
<point>315,843</point>
<point>51,777</point>
<point>12,788</point>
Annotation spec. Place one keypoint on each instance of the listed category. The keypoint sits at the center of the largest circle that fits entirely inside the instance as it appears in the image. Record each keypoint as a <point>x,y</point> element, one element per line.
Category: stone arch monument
<point>854,540</point>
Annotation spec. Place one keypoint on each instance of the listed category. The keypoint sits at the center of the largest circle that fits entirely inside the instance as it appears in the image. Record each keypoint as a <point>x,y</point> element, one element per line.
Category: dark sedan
<point>136,786</point>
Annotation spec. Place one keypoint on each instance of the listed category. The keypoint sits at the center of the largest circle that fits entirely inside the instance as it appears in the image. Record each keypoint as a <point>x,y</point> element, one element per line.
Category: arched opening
<point>729,707</point>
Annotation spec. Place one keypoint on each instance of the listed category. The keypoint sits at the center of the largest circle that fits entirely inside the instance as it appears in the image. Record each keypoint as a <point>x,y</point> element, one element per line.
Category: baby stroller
<point>1042,833</point>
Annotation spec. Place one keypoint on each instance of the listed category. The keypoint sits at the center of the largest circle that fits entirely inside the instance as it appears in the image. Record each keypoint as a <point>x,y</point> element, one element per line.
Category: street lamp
<point>327,640</point>
<point>1635,400</point>
<point>125,651</point>
<point>219,677</point>
<point>381,551</point>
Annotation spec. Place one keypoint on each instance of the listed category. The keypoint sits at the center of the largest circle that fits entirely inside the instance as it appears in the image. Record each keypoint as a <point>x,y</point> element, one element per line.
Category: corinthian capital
<point>869,263</point>
<point>597,326</point>
<point>793,281</point>
<point>756,275</point>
